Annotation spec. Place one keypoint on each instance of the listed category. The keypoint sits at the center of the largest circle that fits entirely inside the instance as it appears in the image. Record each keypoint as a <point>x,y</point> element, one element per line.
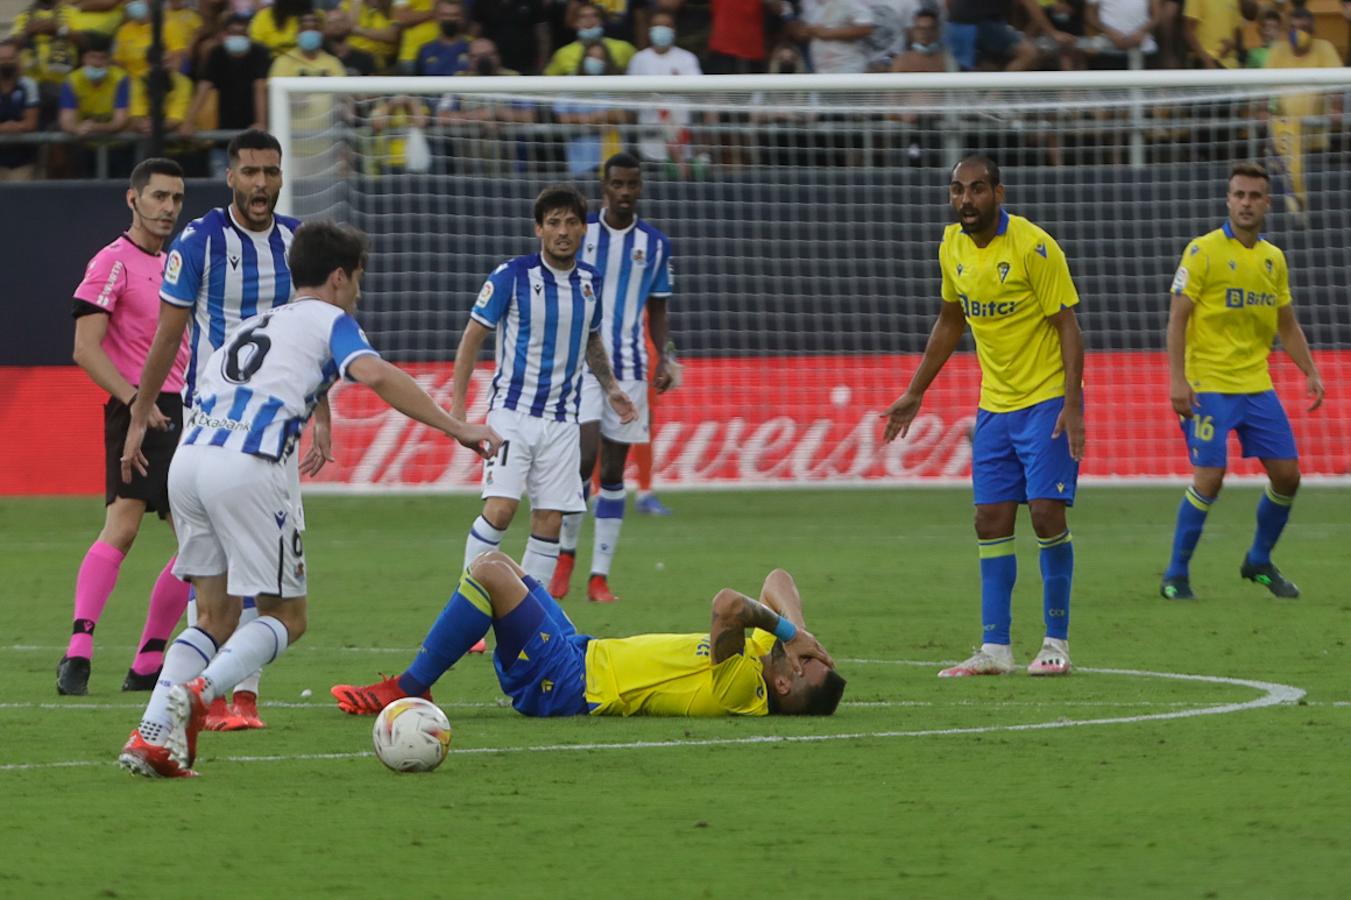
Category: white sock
<point>187,656</point>
<point>251,647</point>
<point>482,538</point>
<point>609,521</point>
<point>250,682</point>
<point>541,556</point>
<point>572,531</point>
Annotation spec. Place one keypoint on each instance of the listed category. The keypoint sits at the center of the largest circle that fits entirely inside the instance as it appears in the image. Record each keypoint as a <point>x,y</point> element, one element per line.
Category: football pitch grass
<point>1120,781</point>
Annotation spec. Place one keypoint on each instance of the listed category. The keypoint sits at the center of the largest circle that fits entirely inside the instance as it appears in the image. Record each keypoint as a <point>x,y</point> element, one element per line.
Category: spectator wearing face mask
<point>338,32</point>
<point>590,33</point>
<point>308,59</point>
<point>664,134</point>
<point>276,27</point>
<point>236,73</point>
<point>96,96</point>
<point>595,137</point>
<point>1299,121</point>
<point>94,102</point>
<point>18,115</point>
<point>925,52</point>
<point>448,54</point>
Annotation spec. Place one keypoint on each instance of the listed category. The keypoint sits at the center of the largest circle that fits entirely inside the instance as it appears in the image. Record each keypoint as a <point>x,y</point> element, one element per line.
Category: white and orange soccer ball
<point>411,735</point>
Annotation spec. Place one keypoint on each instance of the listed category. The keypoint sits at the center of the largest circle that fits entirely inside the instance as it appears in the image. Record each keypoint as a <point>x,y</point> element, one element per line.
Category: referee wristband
<point>785,630</point>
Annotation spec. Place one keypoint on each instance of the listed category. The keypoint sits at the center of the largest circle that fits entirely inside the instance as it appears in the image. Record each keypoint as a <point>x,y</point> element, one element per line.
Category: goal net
<point>805,214</point>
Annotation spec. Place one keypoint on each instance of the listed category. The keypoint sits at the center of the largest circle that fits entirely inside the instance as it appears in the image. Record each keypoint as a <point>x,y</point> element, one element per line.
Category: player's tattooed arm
<point>733,613</point>
<point>599,361</point>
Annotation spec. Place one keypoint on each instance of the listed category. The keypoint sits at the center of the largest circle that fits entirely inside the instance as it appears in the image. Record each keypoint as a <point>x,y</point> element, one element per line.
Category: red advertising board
<point>743,421</point>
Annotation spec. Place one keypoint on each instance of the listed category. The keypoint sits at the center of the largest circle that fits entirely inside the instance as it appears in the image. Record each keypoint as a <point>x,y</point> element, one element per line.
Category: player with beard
<point>1008,278</point>
<point>225,267</point>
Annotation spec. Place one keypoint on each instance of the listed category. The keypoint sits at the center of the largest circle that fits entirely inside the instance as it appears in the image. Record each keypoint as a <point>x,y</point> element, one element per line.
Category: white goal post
<point>805,213</point>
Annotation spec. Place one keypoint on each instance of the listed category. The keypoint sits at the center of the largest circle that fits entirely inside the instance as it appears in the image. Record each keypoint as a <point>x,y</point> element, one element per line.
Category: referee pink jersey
<point>124,281</point>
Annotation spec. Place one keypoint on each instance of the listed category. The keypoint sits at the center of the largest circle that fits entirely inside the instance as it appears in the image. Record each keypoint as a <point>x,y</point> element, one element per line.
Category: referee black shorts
<point>158,447</point>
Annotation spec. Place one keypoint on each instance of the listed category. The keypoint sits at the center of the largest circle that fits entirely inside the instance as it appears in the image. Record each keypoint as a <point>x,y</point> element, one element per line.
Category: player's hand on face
<point>805,646</point>
<point>1071,422</point>
<point>320,452</point>
<point>899,415</point>
<point>481,439</point>
<point>620,403</point>
<point>1316,391</point>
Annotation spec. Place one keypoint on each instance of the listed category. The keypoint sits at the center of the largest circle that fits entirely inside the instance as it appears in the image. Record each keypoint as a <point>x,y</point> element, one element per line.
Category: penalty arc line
<point>1273,694</point>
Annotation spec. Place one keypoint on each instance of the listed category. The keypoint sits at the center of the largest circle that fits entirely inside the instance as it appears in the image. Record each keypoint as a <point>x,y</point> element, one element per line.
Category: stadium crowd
<point>83,67</point>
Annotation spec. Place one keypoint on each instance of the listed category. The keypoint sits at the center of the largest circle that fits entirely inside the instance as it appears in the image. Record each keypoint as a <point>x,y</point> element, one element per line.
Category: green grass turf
<point>1247,804</point>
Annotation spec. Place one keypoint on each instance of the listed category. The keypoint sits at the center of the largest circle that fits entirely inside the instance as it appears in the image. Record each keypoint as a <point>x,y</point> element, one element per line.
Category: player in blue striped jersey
<point>223,268</point>
<point>546,310</point>
<point>235,504</point>
<point>634,259</point>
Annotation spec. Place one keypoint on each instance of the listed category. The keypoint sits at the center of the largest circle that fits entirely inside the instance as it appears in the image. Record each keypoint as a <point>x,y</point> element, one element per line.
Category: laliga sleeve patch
<point>486,294</point>
<point>173,267</point>
<point>1180,280</point>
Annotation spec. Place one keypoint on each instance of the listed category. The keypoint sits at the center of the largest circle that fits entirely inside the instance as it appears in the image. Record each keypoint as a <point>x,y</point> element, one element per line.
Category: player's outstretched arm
<point>397,388</point>
<point>1071,418</point>
<point>599,361</point>
<point>943,339</point>
<point>1180,393</point>
<point>734,612</point>
<point>1297,348</point>
<point>466,355</point>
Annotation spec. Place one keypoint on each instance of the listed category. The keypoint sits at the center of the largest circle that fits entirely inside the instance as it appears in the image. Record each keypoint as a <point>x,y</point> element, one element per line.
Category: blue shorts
<point>991,38</point>
<point>1014,458</point>
<point>1260,420</point>
<point>540,658</point>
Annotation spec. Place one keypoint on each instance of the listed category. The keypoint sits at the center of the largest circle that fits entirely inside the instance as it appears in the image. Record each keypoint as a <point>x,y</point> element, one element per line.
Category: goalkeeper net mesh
<point>805,218</point>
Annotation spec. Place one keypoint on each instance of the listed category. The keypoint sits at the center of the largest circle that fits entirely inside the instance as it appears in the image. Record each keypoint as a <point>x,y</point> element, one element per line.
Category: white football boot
<point>990,659</point>
<point>1054,658</point>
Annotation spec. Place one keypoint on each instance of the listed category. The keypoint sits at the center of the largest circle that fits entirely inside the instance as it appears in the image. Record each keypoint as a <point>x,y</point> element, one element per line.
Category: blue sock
<point>1057,576</point>
<point>1273,511</point>
<point>998,572</point>
<point>465,619</point>
<point>563,626</point>
<point>1191,518</point>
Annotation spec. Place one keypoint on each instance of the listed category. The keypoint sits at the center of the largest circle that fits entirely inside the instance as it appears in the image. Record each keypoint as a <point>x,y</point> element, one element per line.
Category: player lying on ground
<point>234,500</point>
<point>548,669</point>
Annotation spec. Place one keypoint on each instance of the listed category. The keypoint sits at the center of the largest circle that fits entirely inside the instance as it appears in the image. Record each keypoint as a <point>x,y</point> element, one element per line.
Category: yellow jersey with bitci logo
<point>1237,292</point>
<point>1008,290</point>
<point>674,675</point>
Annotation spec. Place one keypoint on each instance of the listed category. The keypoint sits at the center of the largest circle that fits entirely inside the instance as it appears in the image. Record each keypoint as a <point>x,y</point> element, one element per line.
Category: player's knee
<point>1286,483</point>
<point>993,523</point>
<point>487,564</point>
<point>1048,517</point>
<point>1208,484</point>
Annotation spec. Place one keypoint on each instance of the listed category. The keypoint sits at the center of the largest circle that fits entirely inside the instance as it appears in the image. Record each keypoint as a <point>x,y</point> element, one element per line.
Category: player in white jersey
<point>235,504</point>
<point>634,259</point>
<point>546,308</point>
<point>225,267</point>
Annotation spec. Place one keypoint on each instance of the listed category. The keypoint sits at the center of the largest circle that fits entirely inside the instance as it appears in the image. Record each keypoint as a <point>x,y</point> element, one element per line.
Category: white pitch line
<point>1273,694</point>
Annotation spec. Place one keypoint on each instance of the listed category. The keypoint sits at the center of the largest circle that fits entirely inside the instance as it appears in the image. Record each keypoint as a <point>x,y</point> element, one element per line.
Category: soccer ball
<point>411,735</point>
